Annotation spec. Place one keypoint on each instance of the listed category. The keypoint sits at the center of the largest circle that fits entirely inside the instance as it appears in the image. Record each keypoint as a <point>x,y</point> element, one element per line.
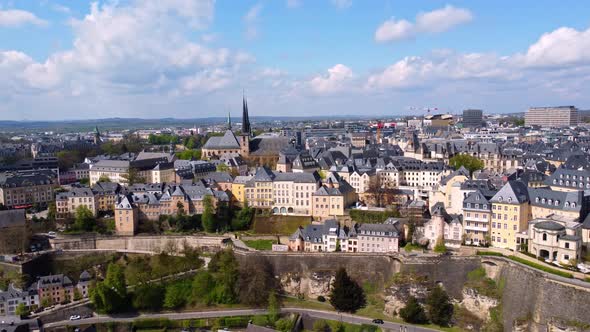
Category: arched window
<point>544,236</point>
<point>573,205</point>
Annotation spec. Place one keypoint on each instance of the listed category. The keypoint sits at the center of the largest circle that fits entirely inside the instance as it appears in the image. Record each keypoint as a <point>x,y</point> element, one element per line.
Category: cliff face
<point>529,302</point>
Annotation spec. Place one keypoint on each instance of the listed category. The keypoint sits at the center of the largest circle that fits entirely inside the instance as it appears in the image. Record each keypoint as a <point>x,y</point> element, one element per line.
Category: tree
<point>104,178</point>
<point>148,297</point>
<point>51,211</point>
<point>208,218</point>
<point>440,246</point>
<point>84,219</point>
<point>222,167</point>
<point>256,282</point>
<point>110,295</point>
<point>346,295</point>
<point>203,285</point>
<point>274,307</point>
<point>243,218</point>
<point>133,176</point>
<point>22,310</point>
<point>471,163</point>
<point>224,267</point>
<point>46,302</point>
<point>189,154</point>
<point>180,208</point>
<point>413,312</point>
<point>178,294</point>
<point>440,308</point>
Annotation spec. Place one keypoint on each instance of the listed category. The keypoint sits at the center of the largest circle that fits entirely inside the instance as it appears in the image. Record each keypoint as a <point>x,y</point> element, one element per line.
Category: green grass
<point>282,225</point>
<point>541,267</point>
<point>489,253</point>
<point>260,244</point>
<point>413,247</point>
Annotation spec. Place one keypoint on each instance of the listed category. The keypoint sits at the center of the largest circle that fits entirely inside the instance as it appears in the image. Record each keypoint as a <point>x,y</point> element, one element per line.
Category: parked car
<point>75,317</point>
<point>377,321</point>
<point>52,234</point>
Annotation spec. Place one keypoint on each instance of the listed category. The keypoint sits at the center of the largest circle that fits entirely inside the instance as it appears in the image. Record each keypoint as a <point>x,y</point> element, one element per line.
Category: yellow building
<point>126,217</point>
<point>511,212</point>
<point>238,188</point>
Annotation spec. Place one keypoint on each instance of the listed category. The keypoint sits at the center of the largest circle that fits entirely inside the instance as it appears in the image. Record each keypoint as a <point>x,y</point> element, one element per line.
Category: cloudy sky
<point>73,59</point>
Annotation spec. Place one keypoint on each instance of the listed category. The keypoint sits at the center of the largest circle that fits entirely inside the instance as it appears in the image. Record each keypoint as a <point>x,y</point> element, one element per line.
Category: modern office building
<point>560,116</point>
<point>472,118</point>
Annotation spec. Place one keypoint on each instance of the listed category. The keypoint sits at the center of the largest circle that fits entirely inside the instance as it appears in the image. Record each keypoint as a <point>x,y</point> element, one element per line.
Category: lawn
<point>280,225</point>
<point>260,244</point>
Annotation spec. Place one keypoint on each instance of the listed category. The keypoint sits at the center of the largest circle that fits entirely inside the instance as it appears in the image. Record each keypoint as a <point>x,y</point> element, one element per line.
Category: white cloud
<point>564,46</point>
<point>17,18</point>
<point>443,19</point>
<point>436,21</point>
<point>342,4</point>
<point>293,3</point>
<point>135,48</point>
<point>251,21</point>
<point>392,30</point>
<point>335,81</point>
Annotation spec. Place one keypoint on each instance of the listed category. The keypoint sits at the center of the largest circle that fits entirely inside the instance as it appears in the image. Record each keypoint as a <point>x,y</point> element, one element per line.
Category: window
<point>544,236</point>
<point>567,245</point>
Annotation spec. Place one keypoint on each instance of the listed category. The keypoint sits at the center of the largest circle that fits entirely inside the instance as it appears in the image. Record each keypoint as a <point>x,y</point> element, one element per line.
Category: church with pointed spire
<point>257,151</point>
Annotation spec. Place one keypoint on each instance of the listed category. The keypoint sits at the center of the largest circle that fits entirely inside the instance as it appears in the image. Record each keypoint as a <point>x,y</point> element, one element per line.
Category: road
<point>329,315</point>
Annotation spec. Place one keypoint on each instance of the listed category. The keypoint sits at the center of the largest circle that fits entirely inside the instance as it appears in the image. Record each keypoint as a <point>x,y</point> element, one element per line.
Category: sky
<point>75,59</point>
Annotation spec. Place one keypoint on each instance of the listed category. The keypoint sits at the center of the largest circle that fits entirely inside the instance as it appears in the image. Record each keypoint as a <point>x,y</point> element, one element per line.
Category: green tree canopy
<point>440,308</point>
<point>133,176</point>
<point>84,219</point>
<point>110,295</point>
<point>471,163</point>
<point>256,282</point>
<point>178,294</point>
<point>203,285</point>
<point>148,296</point>
<point>208,218</point>
<point>413,312</point>
<point>346,295</point>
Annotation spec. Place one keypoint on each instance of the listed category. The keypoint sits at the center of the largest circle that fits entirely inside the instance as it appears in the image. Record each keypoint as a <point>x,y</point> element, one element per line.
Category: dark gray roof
<point>513,192</point>
<point>12,218</point>
<point>559,200</point>
<point>549,225</point>
<point>268,145</point>
<point>227,141</point>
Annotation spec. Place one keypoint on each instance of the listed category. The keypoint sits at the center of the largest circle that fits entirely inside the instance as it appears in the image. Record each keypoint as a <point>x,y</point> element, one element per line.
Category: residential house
<point>511,212</point>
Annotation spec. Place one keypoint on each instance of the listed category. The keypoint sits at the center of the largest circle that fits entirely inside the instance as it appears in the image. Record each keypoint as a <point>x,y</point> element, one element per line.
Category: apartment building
<point>559,116</point>
<point>56,289</point>
<point>332,198</point>
<point>12,297</point>
<point>152,170</point>
<point>511,212</point>
<point>477,214</point>
<point>66,203</point>
<point>293,192</point>
<point>361,180</point>
<point>442,226</point>
<point>15,231</point>
<point>23,189</point>
<point>380,238</point>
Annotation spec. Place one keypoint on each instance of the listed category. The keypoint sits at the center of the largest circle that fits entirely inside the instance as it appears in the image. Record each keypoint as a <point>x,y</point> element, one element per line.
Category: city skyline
<point>192,59</point>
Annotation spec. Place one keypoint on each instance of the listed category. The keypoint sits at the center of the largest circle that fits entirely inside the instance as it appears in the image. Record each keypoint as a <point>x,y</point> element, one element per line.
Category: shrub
<point>489,253</point>
<point>321,298</point>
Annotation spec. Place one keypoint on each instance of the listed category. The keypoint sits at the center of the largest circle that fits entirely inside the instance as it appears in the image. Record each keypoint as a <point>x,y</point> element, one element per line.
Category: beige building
<point>23,189</point>
<point>66,203</point>
<point>361,180</point>
<point>560,116</point>
<point>15,232</point>
<point>555,240</point>
<point>442,226</point>
<point>379,238</point>
<point>511,212</point>
<point>332,198</point>
<point>449,191</point>
<point>154,170</point>
<point>477,214</point>
<point>126,217</point>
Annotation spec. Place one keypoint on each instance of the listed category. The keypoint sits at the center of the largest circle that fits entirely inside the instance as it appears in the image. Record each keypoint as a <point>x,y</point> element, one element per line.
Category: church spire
<point>228,120</point>
<point>245,117</point>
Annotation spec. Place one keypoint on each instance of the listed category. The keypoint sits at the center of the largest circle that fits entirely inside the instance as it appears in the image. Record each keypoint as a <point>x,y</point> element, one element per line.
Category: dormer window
<point>567,183</point>
<point>554,181</point>
<point>573,205</point>
<point>500,199</point>
<point>561,176</point>
<point>556,202</point>
<point>567,204</point>
<point>485,206</point>
<point>509,199</point>
<point>549,201</point>
<point>537,199</point>
<point>560,181</point>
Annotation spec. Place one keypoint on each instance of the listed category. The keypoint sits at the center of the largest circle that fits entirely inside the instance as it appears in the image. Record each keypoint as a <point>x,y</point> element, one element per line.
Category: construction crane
<point>379,127</point>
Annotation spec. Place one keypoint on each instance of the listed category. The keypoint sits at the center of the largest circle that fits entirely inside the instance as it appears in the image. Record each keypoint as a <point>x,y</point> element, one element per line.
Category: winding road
<point>329,315</point>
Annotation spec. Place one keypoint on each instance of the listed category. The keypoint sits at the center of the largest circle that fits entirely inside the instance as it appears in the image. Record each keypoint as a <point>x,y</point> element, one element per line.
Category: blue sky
<point>67,59</point>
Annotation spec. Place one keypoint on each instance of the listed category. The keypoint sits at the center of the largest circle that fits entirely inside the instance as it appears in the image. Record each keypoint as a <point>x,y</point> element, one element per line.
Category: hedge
<point>541,267</point>
<point>152,323</point>
<point>489,253</point>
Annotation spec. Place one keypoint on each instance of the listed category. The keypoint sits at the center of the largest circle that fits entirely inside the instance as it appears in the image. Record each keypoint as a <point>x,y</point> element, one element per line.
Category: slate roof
<point>513,192</point>
<point>558,200</point>
<point>225,142</point>
<point>27,178</point>
<point>476,197</point>
<point>570,178</point>
<point>549,225</point>
<point>269,145</point>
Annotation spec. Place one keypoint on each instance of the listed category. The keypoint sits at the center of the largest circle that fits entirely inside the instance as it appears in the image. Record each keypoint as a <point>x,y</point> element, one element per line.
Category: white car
<point>52,234</point>
<point>75,317</point>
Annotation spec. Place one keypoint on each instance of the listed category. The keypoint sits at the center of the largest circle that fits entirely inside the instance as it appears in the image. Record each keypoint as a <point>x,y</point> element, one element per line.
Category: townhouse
<point>23,189</point>
<point>511,212</point>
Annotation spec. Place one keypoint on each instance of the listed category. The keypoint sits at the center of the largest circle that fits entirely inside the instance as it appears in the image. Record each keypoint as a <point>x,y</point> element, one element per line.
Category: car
<point>377,321</point>
<point>75,317</point>
<point>52,234</point>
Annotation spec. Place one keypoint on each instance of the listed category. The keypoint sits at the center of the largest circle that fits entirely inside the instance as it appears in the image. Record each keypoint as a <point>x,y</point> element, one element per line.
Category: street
<point>347,318</point>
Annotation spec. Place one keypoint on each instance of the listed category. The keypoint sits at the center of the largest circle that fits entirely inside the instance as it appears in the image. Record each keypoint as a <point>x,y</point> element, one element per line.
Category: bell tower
<point>245,135</point>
